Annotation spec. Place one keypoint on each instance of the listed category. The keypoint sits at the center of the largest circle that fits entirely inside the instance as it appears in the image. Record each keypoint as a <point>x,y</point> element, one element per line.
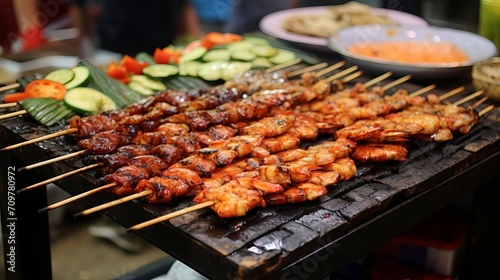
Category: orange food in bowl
<point>411,52</point>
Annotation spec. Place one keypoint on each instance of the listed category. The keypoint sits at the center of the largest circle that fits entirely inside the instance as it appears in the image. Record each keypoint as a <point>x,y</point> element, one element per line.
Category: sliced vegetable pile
<point>83,89</point>
<point>216,57</point>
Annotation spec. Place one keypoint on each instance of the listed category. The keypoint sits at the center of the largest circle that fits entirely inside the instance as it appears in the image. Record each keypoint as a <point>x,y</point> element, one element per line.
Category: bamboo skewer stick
<point>76,197</point>
<point>352,77</point>
<point>481,101</point>
<point>422,90</point>
<point>471,96</point>
<point>486,110</point>
<point>11,86</point>
<point>308,69</point>
<point>48,136</point>
<point>378,79</point>
<point>396,82</point>
<point>283,65</point>
<point>113,203</point>
<point>341,73</point>
<point>52,160</point>
<point>7,105</point>
<point>330,68</point>
<point>62,176</point>
<point>171,215</point>
<point>451,93</point>
<point>13,114</point>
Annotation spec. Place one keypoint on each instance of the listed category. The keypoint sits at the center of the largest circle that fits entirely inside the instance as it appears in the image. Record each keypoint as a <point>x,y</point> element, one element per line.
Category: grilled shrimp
<point>237,197</point>
<point>270,126</point>
<point>243,145</point>
<point>296,194</point>
<point>345,167</point>
<point>164,190</point>
<point>379,152</point>
<point>378,130</point>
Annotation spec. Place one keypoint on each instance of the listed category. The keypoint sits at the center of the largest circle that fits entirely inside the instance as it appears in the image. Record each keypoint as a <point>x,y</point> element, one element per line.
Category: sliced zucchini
<point>217,55</point>
<point>147,82</point>
<point>85,100</point>
<point>282,56</point>
<point>62,76</point>
<point>140,88</point>
<point>235,68</point>
<point>82,77</point>
<point>194,54</point>
<point>160,70</point>
<point>265,51</point>
<point>190,68</point>
<point>243,55</point>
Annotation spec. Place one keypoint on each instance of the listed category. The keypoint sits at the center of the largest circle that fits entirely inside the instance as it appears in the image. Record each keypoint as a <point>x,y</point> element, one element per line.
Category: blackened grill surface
<point>311,238</point>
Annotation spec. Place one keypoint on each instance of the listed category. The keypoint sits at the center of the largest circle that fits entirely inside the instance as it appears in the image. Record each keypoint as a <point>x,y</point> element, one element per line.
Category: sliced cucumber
<point>85,100</point>
<point>194,54</point>
<point>235,68</point>
<point>265,51</point>
<point>261,62</point>
<point>140,88</point>
<point>217,55</point>
<point>82,77</point>
<point>62,76</point>
<point>160,70</point>
<point>243,55</point>
<point>145,57</point>
<point>147,82</point>
<point>212,71</point>
<point>190,68</point>
<point>282,56</point>
<point>256,40</point>
<point>240,46</point>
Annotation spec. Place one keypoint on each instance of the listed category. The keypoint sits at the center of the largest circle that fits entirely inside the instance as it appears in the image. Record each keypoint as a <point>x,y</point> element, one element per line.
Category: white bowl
<point>476,47</point>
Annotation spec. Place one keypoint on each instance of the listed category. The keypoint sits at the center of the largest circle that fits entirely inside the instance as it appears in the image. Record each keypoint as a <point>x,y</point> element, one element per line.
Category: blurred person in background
<point>130,27</point>
<point>213,14</point>
<point>22,22</point>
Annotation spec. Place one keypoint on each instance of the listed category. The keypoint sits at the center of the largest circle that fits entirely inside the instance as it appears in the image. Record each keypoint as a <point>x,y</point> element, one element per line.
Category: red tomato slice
<point>45,88</point>
<point>118,72</point>
<point>132,65</point>
<point>217,38</point>
<point>162,56</point>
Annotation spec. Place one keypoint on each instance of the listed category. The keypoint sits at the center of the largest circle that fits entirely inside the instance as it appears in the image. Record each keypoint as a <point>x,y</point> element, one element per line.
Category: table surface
<point>311,239</point>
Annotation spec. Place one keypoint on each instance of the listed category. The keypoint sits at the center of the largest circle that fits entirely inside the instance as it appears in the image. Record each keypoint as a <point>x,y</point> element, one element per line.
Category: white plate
<point>476,47</point>
<point>271,24</point>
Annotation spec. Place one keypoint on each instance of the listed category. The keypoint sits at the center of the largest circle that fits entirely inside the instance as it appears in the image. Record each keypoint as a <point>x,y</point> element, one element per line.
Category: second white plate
<point>272,25</point>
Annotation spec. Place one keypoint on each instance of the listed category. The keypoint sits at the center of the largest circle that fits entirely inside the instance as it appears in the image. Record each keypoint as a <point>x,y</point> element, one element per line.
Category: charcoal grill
<point>303,241</point>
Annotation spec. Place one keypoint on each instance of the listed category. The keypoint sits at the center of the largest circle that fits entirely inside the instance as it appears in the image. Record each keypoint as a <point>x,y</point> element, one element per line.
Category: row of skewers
<point>254,141</point>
